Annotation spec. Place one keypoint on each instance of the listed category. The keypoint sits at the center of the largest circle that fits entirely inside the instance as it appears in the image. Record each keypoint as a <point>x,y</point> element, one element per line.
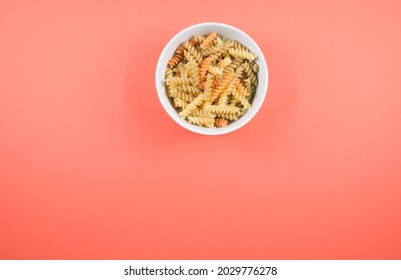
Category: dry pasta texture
<point>211,80</point>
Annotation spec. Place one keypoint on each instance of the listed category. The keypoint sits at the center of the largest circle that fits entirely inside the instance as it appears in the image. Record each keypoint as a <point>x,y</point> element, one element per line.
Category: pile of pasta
<point>211,80</point>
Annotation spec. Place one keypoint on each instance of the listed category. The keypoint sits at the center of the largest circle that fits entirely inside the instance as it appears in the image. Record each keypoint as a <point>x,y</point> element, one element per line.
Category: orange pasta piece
<point>215,83</point>
<point>222,86</point>
<point>179,54</point>
<point>242,90</point>
<point>205,65</point>
<point>220,122</point>
<point>209,40</point>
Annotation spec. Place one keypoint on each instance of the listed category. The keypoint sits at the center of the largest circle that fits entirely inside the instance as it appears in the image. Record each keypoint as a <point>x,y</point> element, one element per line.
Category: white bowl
<point>230,33</point>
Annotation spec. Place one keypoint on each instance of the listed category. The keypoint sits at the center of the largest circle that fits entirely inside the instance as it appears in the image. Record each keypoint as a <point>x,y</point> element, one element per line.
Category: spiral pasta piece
<point>193,72</point>
<point>248,84</point>
<point>191,51</point>
<point>212,50</point>
<point>233,65</point>
<point>189,89</point>
<point>180,103</point>
<point>201,121</point>
<point>222,109</point>
<point>223,99</point>
<point>202,113</point>
<point>224,50</point>
<point>174,60</point>
<point>181,95</point>
<point>178,56</point>
<point>239,71</point>
<point>199,38</point>
<point>247,68</point>
<point>215,83</point>
<point>192,106</point>
<point>208,87</point>
<point>169,73</point>
<point>255,67</point>
<point>176,81</point>
<point>223,85</point>
<point>230,117</point>
<point>216,71</point>
<point>254,80</point>
<point>242,99</point>
<point>204,67</point>
<point>221,122</point>
<point>209,40</point>
<point>242,54</point>
<point>240,46</point>
<point>181,70</point>
<point>224,62</point>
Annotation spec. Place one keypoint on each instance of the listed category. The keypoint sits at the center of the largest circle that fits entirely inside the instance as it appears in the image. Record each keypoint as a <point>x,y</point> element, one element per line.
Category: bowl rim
<point>171,111</point>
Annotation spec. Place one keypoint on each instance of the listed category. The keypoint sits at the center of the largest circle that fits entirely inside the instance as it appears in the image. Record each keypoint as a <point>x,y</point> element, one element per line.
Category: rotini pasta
<point>192,106</point>
<point>201,121</point>
<point>217,71</point>
<point>211,80</point>
<point>240,46</point>
<point>181,95</point>
<point>208,41</point>
<point>192,52</point>
<point>242,54</point>
<point>224,62</point>
<point>242,90</point>
<point>222,109</point>
<point>222,86</point>
<point>176,81</point>
<point>242,99</point>
<point>212,50</point>
<point>202,113</point>
<point>229,117</point>
<point>189,89</point>
<point>221,122</point>
<point>199,38</point>
<point>233,65</point>
<point>204,67</point>
<point>180,103</point>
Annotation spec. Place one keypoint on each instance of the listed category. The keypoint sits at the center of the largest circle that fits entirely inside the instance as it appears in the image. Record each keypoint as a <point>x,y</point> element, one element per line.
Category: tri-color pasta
<point>211,80</point>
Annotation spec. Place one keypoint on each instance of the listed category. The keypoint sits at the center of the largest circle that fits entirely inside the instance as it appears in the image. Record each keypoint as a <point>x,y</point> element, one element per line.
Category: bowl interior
<point>230,33</point>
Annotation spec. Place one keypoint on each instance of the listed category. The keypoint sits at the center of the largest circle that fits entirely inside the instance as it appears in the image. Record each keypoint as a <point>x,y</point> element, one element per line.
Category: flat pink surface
<point>91,166</point>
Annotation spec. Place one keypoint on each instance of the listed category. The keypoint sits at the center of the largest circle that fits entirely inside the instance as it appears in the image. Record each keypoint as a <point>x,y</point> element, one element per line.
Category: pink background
<point>91,166</point>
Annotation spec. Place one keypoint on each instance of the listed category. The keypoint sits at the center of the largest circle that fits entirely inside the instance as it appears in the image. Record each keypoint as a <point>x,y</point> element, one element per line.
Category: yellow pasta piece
<point>202,113</point>
<point>201,121</point>
<point>230,117</point>
<point>176,81</point>
<point>233,65</point>
<point>192,106</point>
<point>217,71</point>
<point>181,95</point>
<point>224,62</point>
<point>242,99</point>
<point>180,103</point>
<point>189,89</point>
<point>191,51</point>
<point>242,54</point>
<point>222,109</point>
